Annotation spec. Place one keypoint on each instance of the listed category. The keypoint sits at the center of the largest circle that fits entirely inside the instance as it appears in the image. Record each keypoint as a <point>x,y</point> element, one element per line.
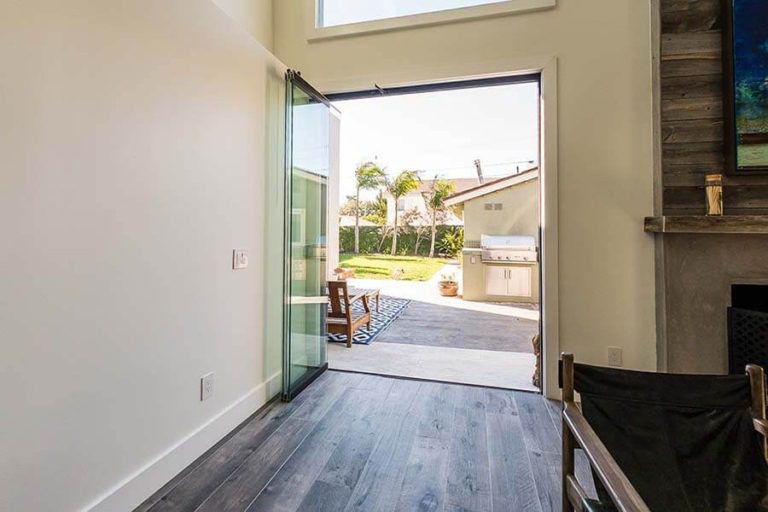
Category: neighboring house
<point>349,221</point>
<point>506,206</point>
<point>415,200</point>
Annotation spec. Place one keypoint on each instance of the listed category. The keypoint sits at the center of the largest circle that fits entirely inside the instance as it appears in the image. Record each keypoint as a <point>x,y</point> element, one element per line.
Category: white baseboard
<point>131,492</point>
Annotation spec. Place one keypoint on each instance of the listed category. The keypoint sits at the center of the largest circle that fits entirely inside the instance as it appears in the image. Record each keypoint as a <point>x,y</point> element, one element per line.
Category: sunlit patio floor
<point>446,339</point>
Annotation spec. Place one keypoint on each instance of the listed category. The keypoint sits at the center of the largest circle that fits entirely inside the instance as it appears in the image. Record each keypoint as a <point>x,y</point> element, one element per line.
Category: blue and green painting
<point>750,44</point>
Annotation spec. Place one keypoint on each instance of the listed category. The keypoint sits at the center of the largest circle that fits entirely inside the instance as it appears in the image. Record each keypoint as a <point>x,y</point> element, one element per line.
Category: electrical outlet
<point>206,386</point>
<point>615,356</point>
<point>239,259</point>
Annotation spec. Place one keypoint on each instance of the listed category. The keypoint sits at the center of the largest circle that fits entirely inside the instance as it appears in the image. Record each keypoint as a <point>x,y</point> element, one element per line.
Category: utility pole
<point>479,171</point>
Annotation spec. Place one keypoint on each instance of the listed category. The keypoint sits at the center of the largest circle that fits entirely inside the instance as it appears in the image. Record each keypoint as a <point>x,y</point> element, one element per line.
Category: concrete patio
<point>446,338</point>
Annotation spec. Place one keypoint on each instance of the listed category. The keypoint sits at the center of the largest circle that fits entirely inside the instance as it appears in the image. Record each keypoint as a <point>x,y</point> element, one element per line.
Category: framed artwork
<point>745,73</point>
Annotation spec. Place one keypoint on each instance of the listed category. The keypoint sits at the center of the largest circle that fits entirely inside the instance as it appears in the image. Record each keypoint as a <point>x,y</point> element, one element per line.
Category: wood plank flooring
<point>355,442</point>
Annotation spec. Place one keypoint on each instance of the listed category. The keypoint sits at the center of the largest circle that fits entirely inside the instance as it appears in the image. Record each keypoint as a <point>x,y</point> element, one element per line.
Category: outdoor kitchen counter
<point>485,280</point>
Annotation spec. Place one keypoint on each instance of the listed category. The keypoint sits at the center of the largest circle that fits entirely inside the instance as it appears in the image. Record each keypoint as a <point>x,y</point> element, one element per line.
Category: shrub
<point>452,242</point>
<point>371,240</point>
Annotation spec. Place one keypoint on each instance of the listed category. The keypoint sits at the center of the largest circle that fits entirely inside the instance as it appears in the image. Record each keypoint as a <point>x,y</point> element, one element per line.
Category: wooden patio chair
<point>665,442</point>
<point>342,319</point>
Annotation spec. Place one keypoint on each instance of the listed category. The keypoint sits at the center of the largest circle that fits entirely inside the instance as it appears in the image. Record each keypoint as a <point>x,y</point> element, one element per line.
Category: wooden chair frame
<point>341,320</point>
<point>578,433</point>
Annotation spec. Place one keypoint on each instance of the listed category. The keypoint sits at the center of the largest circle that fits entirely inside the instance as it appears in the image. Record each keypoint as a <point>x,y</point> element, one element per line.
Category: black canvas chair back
<point>685,442</point>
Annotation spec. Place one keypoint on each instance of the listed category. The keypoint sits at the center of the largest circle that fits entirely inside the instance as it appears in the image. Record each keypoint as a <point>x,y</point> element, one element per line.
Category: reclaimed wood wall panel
<point>691,74</point>
<point>693,154</point>
<point>691,108</point>
<point>698,86</point>
<point>695,130</point>
<point>740,197</point>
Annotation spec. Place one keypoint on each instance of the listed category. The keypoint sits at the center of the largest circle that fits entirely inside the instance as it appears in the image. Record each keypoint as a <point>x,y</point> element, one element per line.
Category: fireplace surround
<point>705,275</point>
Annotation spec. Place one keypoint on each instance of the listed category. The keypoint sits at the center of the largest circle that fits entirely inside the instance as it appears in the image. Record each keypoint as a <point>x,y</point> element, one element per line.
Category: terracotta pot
<point>449,288</point>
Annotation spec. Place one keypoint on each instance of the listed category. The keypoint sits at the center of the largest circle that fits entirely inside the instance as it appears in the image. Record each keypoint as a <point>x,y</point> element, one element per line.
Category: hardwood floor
<point>361,442</point>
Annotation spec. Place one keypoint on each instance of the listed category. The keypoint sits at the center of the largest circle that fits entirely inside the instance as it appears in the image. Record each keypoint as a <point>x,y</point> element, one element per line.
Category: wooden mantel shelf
<point>726,224</point>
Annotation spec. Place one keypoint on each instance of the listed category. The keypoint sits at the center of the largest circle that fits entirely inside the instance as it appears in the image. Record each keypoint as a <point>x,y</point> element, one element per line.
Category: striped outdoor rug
<point>389,309</point>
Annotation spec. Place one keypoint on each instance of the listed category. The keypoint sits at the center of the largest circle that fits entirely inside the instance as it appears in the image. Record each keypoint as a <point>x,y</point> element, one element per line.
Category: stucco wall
<point>605,151</point>
<point>519,214</point>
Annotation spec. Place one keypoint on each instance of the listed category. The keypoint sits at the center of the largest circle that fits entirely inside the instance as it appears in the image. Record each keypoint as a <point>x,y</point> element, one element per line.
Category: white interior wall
<point>255,16</point>
<point>605,150</point>
<point>133,146</point>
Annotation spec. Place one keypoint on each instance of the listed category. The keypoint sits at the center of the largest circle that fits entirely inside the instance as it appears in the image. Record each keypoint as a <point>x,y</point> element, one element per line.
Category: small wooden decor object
<point>714,186</point>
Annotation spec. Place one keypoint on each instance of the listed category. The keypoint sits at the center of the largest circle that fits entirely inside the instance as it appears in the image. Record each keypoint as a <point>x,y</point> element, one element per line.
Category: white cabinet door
<point>519,281</point>
<point>495,280</point>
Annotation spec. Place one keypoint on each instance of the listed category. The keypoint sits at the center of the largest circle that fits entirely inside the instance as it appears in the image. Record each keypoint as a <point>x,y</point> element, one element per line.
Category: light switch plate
<point>239,259</point>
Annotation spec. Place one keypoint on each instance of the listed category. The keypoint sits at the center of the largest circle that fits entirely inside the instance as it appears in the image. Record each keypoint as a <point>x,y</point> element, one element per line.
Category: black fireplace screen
<point>747,339</point>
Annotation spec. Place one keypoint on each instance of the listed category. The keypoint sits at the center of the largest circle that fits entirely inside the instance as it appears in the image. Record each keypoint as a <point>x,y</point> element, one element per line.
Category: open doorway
<point>439,232</point>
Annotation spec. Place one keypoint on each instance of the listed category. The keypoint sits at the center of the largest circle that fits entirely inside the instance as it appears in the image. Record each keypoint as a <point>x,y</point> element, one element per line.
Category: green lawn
<point>369,266</point>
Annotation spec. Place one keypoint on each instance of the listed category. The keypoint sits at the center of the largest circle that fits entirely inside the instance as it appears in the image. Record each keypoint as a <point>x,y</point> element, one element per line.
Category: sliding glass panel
<point>274,232</point>
<point>308,162</point>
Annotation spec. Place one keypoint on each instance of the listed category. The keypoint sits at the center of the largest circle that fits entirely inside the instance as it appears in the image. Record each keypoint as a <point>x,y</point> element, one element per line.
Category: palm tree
<point>435,201</point>
<point>368,176</point>
<point>405,182</point>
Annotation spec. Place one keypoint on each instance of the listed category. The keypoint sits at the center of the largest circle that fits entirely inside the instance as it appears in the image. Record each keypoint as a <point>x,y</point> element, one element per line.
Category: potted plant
<point>448,285</point>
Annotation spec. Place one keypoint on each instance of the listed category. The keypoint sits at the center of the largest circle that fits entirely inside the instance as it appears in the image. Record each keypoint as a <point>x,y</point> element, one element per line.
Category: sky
<point>340,12</point>
<point>441,133</point>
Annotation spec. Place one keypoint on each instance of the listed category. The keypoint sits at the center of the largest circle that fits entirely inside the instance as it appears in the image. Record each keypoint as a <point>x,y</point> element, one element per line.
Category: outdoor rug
<point>389,309</point>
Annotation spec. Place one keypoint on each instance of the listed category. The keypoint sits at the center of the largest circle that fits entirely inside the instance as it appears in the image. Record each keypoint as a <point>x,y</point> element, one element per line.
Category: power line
<point>470,167</point>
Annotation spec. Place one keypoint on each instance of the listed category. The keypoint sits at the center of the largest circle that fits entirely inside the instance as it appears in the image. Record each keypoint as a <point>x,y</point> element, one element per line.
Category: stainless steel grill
<point>508,248</point>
